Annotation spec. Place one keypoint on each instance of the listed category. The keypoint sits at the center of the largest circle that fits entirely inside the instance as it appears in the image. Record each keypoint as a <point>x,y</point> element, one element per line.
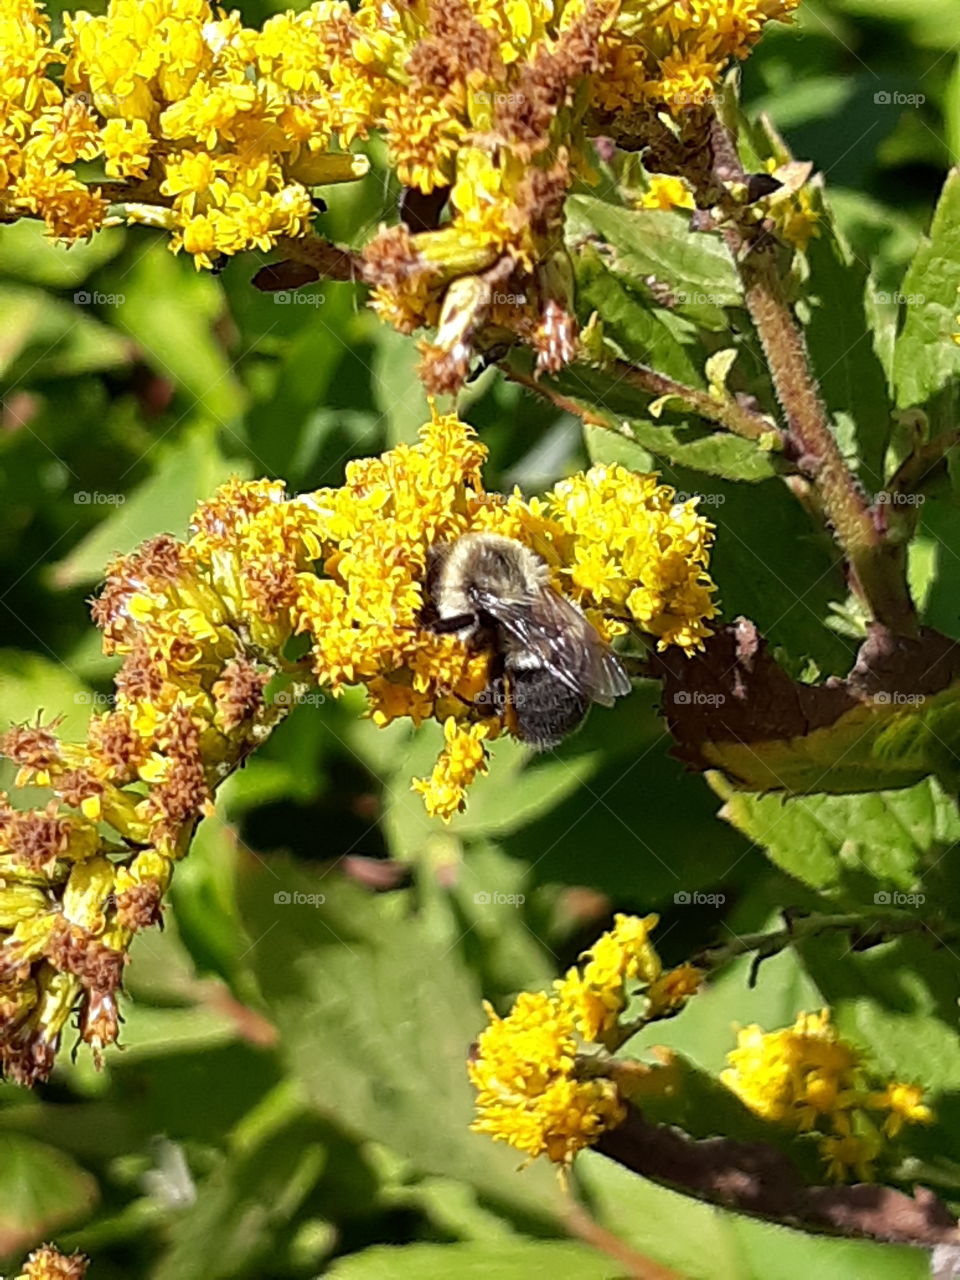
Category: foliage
<point>290,1095</point>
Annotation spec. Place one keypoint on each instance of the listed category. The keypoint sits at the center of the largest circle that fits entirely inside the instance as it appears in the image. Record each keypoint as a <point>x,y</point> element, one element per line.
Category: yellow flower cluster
<point>202,625</point>
<point>617,543</point>
<point>216,132</point>
<point>674,56</point>
<point>533,1090</point>
<point>808,1079</point>
<point>48,1263</point>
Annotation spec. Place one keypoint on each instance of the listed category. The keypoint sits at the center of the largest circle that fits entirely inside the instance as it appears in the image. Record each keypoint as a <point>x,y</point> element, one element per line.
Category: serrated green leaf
<point>188,473</point>
<point>881,843</point>
<point>926,358</point>
<point>876,746</point>
<point>695,265</point>
<point>715,453</point>
<point>640,331</point>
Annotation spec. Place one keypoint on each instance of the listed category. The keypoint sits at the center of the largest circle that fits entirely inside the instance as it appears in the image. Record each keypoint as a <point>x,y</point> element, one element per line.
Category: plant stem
<point>877,565</point>
<point>877,570</point>
<point>727,413</point>
<point>865,931</point>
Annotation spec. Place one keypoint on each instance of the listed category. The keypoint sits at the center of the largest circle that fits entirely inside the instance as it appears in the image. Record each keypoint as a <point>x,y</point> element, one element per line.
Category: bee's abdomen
<point>545,710</point>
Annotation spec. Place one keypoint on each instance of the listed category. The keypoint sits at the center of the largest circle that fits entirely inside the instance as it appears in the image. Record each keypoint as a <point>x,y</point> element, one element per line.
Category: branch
<point>755,1178</point>
<point>864,931</point>
<point>877,565</point>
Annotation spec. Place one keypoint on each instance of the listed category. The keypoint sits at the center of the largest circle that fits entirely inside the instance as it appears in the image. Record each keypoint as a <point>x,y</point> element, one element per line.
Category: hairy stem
<point>877,564</point>
<point>728,413</point>
<point>864,931</point>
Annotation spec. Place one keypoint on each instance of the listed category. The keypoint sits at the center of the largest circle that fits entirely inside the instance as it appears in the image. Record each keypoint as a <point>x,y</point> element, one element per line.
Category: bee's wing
<point>554,629</point>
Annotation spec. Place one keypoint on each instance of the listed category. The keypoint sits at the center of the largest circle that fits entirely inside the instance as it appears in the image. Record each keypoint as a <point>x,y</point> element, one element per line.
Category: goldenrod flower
<point>596,992</point>
<point>48,1263</point>
<point>904,1105</point>
<point>528,1093</point>
<point>807,1078</point>
<point>202,625</point>
<point>536,1087</point>
<point>665,191</point>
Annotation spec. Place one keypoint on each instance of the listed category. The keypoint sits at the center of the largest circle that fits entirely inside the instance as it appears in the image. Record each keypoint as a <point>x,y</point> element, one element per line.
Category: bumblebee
<point>547,662</point>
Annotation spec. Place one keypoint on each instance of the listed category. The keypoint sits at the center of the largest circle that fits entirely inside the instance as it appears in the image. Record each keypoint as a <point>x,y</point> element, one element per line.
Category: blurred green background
<point>291,1097</point>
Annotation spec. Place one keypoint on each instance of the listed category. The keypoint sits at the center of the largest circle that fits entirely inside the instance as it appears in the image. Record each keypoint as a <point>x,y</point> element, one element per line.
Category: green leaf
<point>572,813</point>
<point>44,337</point>
<point>717,453</point>
<point>243,1206</point>
<point>873,847</point>
<point>376,1014</point>
<point>926,358</point>
<point>170,309</point>
<point>695,265</point>
<point>850,374</point>
<point>28,253</point>
<point>640,330</point>
<point>41,1191</point>
<point>399,392</point>
<point>32,684</point>
<point>707,1243</point>
<point>525,1260</point>
<point>875,746</point>
<point>186,474</point>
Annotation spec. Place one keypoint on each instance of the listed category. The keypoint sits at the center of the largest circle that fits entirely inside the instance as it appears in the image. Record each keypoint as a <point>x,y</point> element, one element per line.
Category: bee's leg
<point>447,626</point>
